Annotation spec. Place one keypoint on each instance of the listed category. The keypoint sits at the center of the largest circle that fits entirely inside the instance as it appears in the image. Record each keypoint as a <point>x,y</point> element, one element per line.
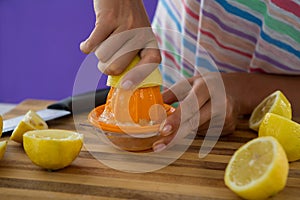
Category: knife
<point>78,103</point>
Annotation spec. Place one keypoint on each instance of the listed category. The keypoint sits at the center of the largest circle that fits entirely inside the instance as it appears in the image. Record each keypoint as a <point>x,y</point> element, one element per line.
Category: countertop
<point>189,177</point>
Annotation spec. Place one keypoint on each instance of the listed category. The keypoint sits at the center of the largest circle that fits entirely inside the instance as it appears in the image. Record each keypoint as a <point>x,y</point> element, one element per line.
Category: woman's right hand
<point>122,31</point>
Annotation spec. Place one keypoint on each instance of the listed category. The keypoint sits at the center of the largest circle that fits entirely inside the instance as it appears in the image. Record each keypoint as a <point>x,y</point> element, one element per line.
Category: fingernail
<point>166,130</point>
<point>81,44</point>
<point>82,47</point>
<point>127,85</point>
<point>159,147</point>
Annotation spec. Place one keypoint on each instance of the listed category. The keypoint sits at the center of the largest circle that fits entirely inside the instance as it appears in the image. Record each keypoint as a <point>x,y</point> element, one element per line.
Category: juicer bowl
<point>127,137</point>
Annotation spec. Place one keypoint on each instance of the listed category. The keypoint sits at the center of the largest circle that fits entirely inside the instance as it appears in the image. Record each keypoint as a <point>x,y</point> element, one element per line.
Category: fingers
<point>118,65</point>
<point>177,92</point>
<point>205,107</point>
<point>161,144</point>
<point>117,51</point>
<point>150,59</point>
<point>191,100</point>
<point>182,125</point>
<point>121,41</point>
<point>98,35</point>
<point>188,127</point>
<point>171,124</point>
<point>194,109</point>
<point>192,92</point>
<point>174,121</point>
<point>198,95</point>
<point>113,44</point>
<point>169,97</point>
<point>122,30</point>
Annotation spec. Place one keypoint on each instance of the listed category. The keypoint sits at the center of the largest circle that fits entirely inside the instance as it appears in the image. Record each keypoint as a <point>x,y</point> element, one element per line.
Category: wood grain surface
<point>189,177</point>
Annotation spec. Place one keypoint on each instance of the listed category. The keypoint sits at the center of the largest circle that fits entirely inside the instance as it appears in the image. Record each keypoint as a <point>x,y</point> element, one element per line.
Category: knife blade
<point>74,104</point>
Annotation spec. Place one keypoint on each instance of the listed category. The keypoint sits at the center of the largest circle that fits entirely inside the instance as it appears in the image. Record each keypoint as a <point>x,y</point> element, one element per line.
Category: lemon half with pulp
<point>31,121</point>
<point>52,149</point>
<point>274,103</point>
<point>258,169</point>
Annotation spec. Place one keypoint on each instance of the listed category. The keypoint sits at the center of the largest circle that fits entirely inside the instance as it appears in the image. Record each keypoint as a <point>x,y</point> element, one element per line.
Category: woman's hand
<point>221,97</point>
<point>122,31</point>
<point>202,99</point>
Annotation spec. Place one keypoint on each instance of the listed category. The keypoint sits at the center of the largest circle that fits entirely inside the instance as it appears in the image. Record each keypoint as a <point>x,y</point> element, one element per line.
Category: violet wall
<point>39,46</point>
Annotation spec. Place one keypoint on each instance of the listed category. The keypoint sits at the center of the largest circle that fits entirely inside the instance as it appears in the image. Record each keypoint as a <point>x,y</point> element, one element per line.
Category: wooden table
<point>189,177</point>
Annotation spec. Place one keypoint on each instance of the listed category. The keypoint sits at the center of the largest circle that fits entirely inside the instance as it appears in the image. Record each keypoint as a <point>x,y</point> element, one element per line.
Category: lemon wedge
<point>1,125</point>
<point>3,145</point>
<point>286,131</point>
<point>274,103</point>
<point>52,149</point>
<point>31,121</point>
<point>154,79</point>
<point>258,169</point>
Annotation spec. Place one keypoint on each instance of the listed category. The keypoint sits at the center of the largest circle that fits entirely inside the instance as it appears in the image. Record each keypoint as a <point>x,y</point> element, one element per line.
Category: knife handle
<point>83,102</point>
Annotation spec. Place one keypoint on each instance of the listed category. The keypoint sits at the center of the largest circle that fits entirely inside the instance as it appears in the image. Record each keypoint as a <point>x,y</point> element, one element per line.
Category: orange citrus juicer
<point>131,118</point>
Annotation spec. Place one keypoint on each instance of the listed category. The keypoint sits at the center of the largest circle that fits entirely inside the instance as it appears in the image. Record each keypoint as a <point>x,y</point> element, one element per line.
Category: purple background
<point>39,46</point>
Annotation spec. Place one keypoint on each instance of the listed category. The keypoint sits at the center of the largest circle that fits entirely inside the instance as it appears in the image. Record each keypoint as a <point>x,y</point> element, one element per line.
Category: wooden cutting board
<point>189,177</point>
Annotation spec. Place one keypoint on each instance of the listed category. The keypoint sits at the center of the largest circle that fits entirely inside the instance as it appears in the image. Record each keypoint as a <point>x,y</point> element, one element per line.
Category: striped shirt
<point>260,36</point>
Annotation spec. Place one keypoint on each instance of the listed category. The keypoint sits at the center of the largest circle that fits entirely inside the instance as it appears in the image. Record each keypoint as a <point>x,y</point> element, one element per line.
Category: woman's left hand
<point>209,101</point>
<point>202,99</point>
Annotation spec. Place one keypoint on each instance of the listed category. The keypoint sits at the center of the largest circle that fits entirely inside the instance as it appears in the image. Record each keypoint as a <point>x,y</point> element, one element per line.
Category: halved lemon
<point>31,121</point>
<point>1,125</point>
<point>52,149</point>
<point>258,169</point>
<point>154,79</point>
<point>286,131</point>
<point>274,103</point>
<point>3,145</point>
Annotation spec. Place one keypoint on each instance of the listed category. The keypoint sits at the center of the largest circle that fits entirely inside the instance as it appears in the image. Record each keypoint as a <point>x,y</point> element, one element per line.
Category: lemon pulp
<point>31,121</point>
<point>274,103</point>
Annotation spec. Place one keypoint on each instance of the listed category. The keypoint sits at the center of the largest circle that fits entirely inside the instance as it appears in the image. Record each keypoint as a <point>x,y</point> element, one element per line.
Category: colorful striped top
<point>229,36</point>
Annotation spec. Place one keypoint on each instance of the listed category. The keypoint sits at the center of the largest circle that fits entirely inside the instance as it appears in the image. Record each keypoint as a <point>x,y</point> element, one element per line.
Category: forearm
<point>251,89</point>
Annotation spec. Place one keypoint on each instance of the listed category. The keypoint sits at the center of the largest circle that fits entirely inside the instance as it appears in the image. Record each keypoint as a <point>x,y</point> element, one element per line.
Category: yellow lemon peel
<point>154,79</point>
<point>3,145</point>
<point>52,149</point>
<point>286,131</point>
